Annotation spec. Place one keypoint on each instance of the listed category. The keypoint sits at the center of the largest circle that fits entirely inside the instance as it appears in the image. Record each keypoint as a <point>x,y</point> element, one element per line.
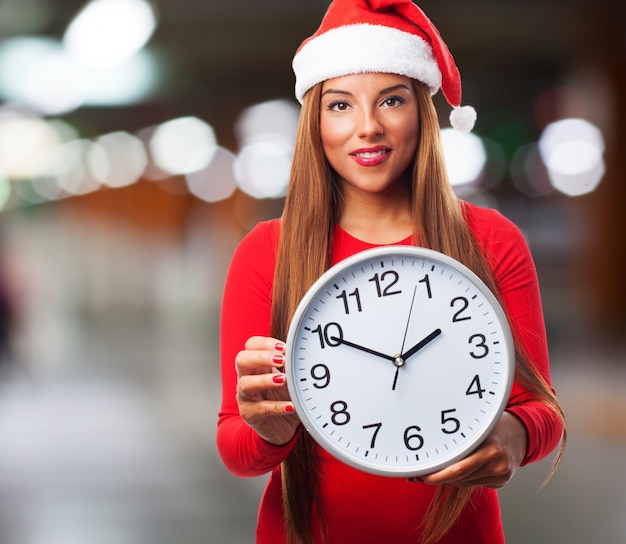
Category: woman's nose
<point>369,124</point>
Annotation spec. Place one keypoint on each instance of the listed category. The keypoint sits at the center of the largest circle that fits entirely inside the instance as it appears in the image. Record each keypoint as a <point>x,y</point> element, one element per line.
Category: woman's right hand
<point>262,393</point>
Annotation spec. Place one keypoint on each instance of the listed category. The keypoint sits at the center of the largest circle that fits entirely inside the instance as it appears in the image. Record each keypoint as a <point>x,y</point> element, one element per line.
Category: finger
<point>254,387</point>
<point>262,343</point>
<point>455,474</point>
<point>258,361</point>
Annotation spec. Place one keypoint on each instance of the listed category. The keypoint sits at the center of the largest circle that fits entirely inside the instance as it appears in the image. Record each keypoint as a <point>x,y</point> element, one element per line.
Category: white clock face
<point>399,361</point>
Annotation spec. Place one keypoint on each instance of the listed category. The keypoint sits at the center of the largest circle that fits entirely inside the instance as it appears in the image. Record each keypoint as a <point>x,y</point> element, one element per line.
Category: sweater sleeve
<point>514,271</point>
<point>246,310</point>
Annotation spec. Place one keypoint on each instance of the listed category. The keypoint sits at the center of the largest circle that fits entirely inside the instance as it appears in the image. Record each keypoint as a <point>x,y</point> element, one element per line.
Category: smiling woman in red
<point>368,170</point>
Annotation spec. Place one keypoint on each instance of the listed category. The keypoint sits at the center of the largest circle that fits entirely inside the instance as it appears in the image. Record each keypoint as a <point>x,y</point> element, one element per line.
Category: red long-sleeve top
<point>361,507</point>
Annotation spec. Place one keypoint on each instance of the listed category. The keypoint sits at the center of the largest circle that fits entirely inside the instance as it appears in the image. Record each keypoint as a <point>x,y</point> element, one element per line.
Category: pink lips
<point>372,156</point>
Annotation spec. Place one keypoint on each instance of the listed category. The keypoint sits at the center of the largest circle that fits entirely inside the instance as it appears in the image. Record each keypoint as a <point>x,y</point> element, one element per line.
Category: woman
<point>368,170</point>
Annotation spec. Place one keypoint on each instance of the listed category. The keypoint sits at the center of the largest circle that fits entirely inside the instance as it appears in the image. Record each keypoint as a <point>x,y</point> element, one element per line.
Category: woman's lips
<point>372,156</point>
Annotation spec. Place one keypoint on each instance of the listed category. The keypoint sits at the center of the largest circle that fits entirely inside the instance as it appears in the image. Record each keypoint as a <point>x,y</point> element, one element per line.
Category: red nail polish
<point>289,408</point>
<point>279,346</point>
<point>279,378</point>
<point>278,359</point>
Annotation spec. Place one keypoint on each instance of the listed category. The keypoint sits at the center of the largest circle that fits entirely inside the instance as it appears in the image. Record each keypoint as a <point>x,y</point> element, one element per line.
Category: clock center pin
<point>398,361</point>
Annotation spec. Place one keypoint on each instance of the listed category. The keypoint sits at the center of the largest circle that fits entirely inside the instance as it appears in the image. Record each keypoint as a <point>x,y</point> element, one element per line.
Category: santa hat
<point>389,36</point>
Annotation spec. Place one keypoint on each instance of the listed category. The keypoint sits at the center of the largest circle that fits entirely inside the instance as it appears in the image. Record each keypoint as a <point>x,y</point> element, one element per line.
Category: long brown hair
<point>304,253</point>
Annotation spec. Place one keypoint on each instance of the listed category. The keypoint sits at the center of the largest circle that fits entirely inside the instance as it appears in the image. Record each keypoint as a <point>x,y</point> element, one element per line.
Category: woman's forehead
<point>374,79</point>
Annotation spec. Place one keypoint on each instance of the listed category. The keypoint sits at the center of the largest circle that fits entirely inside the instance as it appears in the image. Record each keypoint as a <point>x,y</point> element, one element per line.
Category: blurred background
<point>139,141</point>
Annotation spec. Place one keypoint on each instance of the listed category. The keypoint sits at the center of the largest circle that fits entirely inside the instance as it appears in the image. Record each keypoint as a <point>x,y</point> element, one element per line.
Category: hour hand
<point>362,348</point>
<point>421,344</point>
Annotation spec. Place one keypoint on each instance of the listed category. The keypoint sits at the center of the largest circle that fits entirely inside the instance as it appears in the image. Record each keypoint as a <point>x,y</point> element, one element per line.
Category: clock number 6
<point>412,439</point>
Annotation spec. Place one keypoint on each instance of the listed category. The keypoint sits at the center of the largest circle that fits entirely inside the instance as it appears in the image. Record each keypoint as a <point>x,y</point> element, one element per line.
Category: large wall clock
<point>399,361</point>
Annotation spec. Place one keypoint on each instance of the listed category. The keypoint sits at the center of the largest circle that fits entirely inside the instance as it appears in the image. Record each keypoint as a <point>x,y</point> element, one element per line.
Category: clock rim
<point>323,281</point>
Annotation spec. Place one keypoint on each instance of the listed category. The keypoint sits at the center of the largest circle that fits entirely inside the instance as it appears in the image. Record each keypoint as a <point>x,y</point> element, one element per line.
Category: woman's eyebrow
<point>336,91</point>
<point>382,91</point>
<point>394,88</point>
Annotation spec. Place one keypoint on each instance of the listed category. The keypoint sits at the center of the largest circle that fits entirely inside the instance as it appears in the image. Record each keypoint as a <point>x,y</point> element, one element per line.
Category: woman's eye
<point>338,105</point>
<point>393,101</point>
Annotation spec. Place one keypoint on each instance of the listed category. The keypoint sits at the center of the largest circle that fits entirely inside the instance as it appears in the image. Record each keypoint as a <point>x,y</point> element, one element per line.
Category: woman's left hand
<point>493,463</point>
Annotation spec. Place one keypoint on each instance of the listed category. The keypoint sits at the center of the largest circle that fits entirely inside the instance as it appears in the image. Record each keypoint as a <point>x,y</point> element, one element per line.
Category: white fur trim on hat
<point>360,48</point>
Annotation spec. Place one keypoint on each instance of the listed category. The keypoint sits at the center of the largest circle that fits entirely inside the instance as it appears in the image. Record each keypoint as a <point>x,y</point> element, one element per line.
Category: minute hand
<point>421,344</point>
<point>362,348</point>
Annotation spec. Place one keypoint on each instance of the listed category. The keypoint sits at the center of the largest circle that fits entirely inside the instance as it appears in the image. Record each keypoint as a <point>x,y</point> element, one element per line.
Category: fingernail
<point>279,378</point>
<point>279,346</point>
<point>289,408</point>
<point>278,359</point>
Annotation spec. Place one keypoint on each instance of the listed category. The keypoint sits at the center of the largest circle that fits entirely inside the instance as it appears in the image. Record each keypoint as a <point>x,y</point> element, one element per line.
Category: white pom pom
<point>463,118</point>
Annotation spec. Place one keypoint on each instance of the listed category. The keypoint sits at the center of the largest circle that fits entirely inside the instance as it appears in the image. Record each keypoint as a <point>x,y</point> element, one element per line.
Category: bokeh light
<point>572,150</point>
<point>262,169</point>
<point>465,156</point>
<point>27,144</point>
<point>266,133</point>
<point>275,120</point>
<point>122,161</point>
<point>183,145</point>
<point>217,181</point>
<point>108,32</point>
<point>71,169</point>
<point>37,72</point>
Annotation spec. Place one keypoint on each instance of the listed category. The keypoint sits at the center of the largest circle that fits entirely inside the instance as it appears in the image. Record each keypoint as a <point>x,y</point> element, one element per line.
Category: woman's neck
<point>377,220</point>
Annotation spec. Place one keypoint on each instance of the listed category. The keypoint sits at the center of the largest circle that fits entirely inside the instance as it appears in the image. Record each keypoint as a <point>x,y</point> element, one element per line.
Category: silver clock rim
<point>313,292</point>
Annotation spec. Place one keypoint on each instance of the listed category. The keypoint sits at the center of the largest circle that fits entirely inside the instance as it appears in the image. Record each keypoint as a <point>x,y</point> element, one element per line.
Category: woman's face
<point>369,130</point>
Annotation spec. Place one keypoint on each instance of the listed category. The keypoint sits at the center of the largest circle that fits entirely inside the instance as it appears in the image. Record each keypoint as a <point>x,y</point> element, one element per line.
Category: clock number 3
<point>481,342</point>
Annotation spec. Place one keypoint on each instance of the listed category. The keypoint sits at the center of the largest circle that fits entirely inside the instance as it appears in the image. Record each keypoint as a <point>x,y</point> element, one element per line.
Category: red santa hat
<point>388,36</point>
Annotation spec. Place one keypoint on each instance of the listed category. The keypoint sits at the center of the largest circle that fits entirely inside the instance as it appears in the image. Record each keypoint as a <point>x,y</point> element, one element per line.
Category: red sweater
<point>361,507</point>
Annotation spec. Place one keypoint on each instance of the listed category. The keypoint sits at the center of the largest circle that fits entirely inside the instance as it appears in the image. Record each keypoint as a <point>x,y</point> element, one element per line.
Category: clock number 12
<point>391,277</point>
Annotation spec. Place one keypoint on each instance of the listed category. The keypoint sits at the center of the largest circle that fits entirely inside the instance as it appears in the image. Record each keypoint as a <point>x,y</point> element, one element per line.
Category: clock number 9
<point>320,373</point>
<point>412,440</point>
<point>326,339</point>
<point>482,343</point>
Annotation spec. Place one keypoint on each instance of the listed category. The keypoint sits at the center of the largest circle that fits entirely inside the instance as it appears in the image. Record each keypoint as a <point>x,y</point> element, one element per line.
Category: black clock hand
<point>362,348</point>
<point>420,344</point>
<point>401,359</point>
